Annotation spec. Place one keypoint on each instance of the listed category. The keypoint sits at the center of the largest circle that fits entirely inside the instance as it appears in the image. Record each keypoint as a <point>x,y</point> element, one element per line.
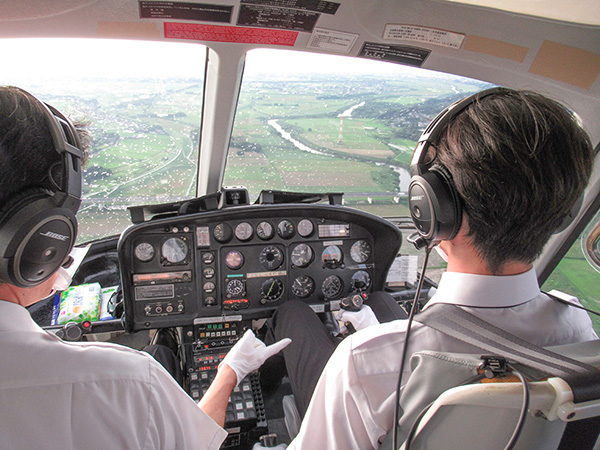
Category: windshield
<point>322,123</point>
<point>142,103</point>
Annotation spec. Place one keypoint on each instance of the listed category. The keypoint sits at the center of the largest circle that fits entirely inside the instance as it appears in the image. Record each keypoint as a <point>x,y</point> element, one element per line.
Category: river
<point>403,174</point>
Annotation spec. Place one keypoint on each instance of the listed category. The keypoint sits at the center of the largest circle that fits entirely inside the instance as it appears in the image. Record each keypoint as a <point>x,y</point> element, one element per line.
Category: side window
<point>578,273</point>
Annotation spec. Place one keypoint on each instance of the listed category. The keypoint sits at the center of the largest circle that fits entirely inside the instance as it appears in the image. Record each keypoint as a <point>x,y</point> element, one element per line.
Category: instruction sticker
<point>271,17</point>
<point>220,33</point>
<point>423,34</point>
<point>310,5</point>
<point>185,11</point>
<point>332,40</point>
<point>402,54</point>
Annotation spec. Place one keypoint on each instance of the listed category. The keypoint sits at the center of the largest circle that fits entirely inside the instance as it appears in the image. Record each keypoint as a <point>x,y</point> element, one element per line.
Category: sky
<point>114,58</point>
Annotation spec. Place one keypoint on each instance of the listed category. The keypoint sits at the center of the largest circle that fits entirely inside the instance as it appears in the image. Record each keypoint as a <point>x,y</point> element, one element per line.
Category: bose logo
<point>417,197</point>
<point>57,236</point>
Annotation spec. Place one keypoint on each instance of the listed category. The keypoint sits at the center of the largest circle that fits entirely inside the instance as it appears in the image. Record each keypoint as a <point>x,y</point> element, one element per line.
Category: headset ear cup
<point>435,206</point>
<point>454,209</point>
<point>35,238</point>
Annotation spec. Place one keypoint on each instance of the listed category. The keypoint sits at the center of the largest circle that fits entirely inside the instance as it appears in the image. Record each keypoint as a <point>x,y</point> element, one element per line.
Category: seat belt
<point>583,379</point>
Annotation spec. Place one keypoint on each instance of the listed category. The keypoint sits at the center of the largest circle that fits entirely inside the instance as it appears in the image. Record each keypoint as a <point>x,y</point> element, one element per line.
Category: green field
<point>575,276</point>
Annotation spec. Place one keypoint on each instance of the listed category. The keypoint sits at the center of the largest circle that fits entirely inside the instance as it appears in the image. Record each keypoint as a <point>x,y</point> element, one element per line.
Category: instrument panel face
<point>206,265</point>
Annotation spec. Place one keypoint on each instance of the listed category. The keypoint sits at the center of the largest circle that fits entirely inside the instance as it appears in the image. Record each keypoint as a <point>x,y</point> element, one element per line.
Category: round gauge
<point>234,287</point>
<point>303,286</point>
<point>302,255</point>
<point>360,251</point>
<point>270,257</point>
<point>264,230</point>
<point>305,228</point>
<point>332,256</point>
<point>144,252</point>
<point>208,272</point>
<point>285,229</point>
<point>243,231</point>
<point>332,286</point>
<point>174,250</point>
<point>234,260</point>
<point>361,281</point>
<point>222,232</point>
<point>208,258</point>
<point>271,289</point>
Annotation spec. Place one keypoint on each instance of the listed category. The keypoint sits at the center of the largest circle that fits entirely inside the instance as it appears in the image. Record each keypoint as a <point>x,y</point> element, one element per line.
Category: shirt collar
<point>486,291</point>
<point>15,317</point>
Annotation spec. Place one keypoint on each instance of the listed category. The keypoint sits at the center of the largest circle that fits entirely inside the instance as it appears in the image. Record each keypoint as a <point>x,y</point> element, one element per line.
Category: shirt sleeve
<point>175,420</point>
<point>338,416</point>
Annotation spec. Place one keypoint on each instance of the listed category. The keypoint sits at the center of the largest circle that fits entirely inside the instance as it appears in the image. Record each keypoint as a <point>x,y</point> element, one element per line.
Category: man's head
<point>519,162</point>
<point>40,187</point>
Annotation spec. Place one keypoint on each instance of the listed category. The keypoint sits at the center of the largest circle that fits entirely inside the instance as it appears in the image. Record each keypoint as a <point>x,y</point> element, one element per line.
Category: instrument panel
<point>248,260</point>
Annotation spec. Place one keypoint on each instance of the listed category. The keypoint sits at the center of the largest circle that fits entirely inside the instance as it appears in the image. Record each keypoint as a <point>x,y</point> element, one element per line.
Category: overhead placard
<point>423,34</point>
<point>271,17</point>
<point>219,33</point>
<point>185,11</point>
<point>332,40</point>
<point>402,54</point>
<point>309,5</point>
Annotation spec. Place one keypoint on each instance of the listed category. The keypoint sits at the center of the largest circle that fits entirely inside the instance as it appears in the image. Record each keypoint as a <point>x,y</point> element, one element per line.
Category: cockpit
<point>248,153</point>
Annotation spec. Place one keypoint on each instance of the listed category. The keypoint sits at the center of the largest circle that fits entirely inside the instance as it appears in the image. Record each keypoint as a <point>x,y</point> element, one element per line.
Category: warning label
<point>185,11</point>
<point>423,34</point>
<point>219,33</point>
<point>309,5</point>
<point>332,40</point>
<point>402,54</point>
<point>271,17</point>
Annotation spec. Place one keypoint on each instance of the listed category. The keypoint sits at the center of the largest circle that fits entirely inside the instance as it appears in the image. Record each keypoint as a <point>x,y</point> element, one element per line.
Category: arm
<point>214,402</point>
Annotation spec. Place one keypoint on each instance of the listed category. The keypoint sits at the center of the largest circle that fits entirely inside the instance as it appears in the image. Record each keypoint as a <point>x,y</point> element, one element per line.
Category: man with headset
<point>493,177</point>
<point>56,394</point>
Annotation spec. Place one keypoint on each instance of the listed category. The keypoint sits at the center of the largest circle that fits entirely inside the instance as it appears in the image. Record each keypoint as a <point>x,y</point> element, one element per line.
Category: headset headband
<point>431,134</point>
<point>67,143</point>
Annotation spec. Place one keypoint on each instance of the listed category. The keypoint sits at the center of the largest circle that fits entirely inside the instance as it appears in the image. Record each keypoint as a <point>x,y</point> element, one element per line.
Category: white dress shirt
<point>66,395</point>
<point>353,404</point>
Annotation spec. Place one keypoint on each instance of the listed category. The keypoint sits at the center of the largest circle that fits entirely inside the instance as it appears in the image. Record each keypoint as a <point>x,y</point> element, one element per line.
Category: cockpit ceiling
<point>575,11</point>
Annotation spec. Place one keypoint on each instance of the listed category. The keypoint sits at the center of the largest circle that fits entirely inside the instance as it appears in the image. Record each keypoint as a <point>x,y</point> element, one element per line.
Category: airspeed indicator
<point>360,251</point>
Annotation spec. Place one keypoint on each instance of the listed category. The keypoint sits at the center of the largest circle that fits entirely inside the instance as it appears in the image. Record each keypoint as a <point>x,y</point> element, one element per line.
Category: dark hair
<point>27,154</point>
<point>519,162</point>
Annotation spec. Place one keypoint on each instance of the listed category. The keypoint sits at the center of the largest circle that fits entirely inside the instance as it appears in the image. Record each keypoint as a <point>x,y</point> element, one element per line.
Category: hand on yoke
<point>363,318</point>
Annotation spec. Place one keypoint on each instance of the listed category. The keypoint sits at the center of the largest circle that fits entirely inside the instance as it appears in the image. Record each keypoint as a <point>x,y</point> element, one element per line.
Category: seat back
<point>485,415</point>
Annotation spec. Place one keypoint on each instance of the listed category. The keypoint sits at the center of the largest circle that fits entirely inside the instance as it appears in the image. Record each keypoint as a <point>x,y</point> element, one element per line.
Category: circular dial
<point>332,286</point>
<point>332,256</point>
<point>265,230</point>
<point>244,231</point>
<point>234,259</point>
<point>303,286</point>
<point>305,228</point>
<point>361,281</point>
<point>222,232</point>
<point>285,229</point>
<point>360,251</point>
<point>144,252</point>
<point>270,257</point>
<point>302,255</point>
<point>234,287</point>
<point>271,289</point>
<point>174,250</point>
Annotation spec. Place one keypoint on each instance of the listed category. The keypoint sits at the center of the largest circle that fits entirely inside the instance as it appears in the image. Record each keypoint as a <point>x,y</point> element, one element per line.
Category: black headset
<point>434,203</point>
<point>37,226</point>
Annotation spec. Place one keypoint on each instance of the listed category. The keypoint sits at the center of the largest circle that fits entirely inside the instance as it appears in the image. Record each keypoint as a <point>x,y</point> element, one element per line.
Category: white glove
<point>363,318</point>
<point>249,353</point>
